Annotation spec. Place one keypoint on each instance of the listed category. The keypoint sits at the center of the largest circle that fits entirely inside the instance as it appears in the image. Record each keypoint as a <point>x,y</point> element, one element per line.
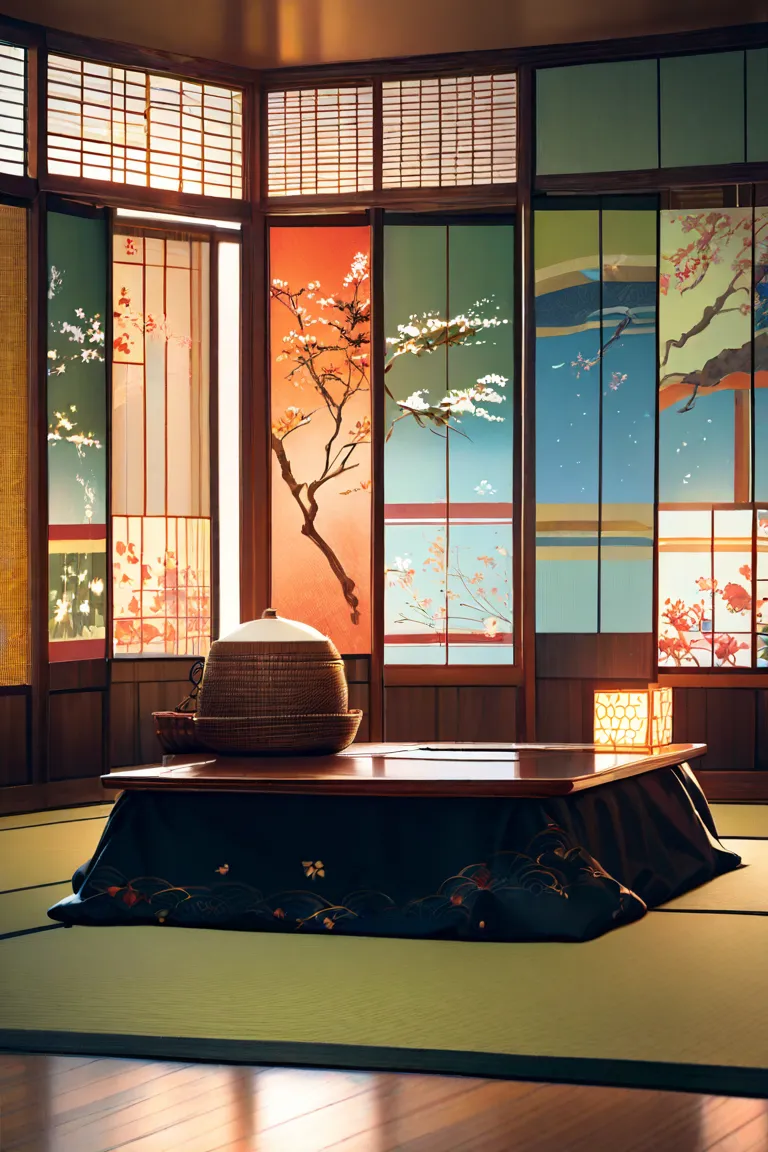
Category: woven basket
<point>271,735</point>
<point>255,679</point>
<point>176,730</point>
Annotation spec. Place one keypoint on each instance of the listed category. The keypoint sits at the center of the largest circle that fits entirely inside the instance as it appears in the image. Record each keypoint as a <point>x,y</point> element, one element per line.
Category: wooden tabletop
<point>486,770</point>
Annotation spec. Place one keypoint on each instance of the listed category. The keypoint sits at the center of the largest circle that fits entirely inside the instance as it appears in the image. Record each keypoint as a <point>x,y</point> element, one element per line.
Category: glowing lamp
<point>636,720</point>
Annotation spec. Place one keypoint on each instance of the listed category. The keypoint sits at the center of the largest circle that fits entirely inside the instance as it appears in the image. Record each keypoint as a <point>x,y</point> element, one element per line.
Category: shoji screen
<point>161,508</point>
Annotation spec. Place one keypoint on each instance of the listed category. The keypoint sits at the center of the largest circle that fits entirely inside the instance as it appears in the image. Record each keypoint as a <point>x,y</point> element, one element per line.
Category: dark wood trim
<point>734,787</point>
<point>21,32</point>
<point>462,197</point>
<point>105,193</point>
<point>715,678</point>
<point>59,794</point>
<point>150,59</point>
<point>17,188</point>
<point>650,180</point>
<point>525,544</point>
<point>540,56</point>
<point>453,675</point>
<point>377,357</point>
<point>255,456</point>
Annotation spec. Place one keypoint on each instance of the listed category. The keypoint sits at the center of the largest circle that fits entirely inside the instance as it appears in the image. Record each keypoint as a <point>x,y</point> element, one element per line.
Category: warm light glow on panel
<point>449,130</point>
<point>161,536</point>
<point>14,603</point>
<point>320,140</point>
<point>320,404</point>
<point>13,110</point>
<point>229,437</point>
<point>171,218</point>
<point>640,719</point>
<point>153,131</point>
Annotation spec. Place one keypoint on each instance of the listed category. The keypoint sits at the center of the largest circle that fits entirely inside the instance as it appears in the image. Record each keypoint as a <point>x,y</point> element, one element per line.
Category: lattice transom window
<point>13,110</point>
<point>448,131</point>
<point>134,127</point>
<point>320,141</point>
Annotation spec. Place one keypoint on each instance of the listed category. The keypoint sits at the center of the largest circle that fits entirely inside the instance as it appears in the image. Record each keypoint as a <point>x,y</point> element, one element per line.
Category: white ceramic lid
<point>272,628</point>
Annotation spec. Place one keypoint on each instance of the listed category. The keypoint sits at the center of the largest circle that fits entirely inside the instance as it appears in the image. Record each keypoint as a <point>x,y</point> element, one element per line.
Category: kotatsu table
<point>493,842</point>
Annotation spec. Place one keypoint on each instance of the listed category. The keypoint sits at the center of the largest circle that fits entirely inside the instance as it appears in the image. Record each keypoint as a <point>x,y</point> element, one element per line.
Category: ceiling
<point>276,33</point>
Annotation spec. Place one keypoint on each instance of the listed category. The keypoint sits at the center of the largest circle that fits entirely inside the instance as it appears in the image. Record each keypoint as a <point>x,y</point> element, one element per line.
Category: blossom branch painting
<point>328,349</point>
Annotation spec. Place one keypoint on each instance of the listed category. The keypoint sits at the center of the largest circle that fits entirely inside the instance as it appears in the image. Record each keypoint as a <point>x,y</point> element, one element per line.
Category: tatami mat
<point>55,816</point>
<point>745,890</point>
<point>46,853</point>
<point>618,998</point>
<point>741,819</point>
<point>28,908</point>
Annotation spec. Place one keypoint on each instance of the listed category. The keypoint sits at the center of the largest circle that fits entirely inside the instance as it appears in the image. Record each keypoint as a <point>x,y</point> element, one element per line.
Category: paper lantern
<point>636,720</point>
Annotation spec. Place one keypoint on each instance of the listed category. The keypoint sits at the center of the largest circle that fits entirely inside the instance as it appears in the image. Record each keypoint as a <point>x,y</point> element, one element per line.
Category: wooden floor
<point>74,1104</point>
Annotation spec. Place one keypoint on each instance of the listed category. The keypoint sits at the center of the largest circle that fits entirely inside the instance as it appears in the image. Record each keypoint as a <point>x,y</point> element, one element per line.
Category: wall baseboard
<point>733,787</point>
<point>57,794</point>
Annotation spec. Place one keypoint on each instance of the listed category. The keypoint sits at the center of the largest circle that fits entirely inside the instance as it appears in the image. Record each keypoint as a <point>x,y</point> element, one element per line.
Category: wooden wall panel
<point>450,713</point>
<point>560,715</point>
<point>155,696</point>
<point>76,735</point>
<point>592,656</point>
<point>727,721</point>
<point>123,724</point>
<point>14,762</point>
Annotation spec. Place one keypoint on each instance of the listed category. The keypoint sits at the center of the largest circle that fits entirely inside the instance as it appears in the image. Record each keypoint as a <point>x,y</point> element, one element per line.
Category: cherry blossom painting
<point>321,429</point>
<point>77,424</point>
<point>449,443</point>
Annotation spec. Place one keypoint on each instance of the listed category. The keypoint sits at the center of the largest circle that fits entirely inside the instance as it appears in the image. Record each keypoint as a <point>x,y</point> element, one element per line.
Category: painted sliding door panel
<point>702,109</point>
<point>628,434</point>
<point>757,102</point>
<point>77,437</point>
<point>14,426</point>
<point>161,531</point>
<point>449,454</point>
<point>597,117</point>
<point>321,430</point>
<point>595,427</point>
<point>567,261</point>
<point>705,272</point>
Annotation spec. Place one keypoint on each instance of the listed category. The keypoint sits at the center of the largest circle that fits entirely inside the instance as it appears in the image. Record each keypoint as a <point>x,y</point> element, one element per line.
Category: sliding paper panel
<point>705,588</point>
<point>568,344</point>
<point>628,384</point>
<point>702,109</point>
<point>732,587</point>
<point>321,424</point>
<point>229,301</point>
<point>761,587</point>
<point>449,452</point>
<point>415,453</point>
<point>596,117</point>
<point>480,476</point>
<point>760,354</point>
<point>14,428</point>
<point>705,324</point>
<point>77,430</point>
<point>160,444</point>
<point>757,101</point>
<point>13,110</point>
<point>162,586</point>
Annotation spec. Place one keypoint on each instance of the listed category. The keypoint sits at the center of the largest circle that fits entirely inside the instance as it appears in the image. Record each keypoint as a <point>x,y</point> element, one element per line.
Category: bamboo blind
<point>449,131</point>
<point>13,110</point>
<point>320,140</point>
<point>14,603</point>
<point>134,127</point>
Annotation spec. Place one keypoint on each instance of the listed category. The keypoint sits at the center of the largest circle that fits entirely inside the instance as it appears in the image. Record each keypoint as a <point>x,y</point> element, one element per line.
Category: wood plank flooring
<point>77,1104</point>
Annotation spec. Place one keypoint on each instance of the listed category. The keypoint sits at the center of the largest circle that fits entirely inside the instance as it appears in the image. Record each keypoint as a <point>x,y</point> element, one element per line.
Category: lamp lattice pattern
<point>638,719</point>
